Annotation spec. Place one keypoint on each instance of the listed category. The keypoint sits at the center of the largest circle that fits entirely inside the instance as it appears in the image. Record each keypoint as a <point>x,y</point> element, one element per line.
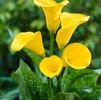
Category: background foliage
<point>23,15</point>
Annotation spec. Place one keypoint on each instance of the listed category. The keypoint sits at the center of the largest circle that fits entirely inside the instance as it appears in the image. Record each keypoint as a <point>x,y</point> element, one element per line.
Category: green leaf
<point>95,94</point>
<point>78,80</point>
<point>36,60</point>
<point>65,96</point>
<point>31,86</point>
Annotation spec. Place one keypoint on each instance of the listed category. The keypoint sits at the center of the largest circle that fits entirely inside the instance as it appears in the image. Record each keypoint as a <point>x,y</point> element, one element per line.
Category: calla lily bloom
<point>76,55</point>
<point>52,11</point>
<point>69,23</point>
<point>29,40</point>
<point>51,66</point>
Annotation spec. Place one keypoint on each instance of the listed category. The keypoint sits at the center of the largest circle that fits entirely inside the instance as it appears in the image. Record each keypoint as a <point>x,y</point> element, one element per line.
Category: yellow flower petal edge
<point>52,11</point>
<point>29,40</point>
<point>51,66</point>
<point>69,23</point>
<point>49,3</point>
<point>45,3</point>
<point>77,56</point>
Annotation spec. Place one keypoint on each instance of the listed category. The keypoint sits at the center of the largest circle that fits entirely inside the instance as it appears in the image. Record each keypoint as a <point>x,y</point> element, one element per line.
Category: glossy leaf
<point>78,80</point>
<point>31,86</point>
<point>36,60</point>
<point>94,95</point>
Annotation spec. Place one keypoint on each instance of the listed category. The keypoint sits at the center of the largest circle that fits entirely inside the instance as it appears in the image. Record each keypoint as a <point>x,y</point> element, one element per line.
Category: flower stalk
<point>51,47</point>
<point>51,43</point>
<point>50,88</point>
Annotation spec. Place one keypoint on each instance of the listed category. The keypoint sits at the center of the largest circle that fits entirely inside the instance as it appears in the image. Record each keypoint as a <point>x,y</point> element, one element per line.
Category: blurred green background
<point>23,15</point>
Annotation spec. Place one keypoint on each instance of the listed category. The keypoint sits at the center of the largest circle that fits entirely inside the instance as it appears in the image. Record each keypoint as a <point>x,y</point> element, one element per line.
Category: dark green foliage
<point>83,82</point>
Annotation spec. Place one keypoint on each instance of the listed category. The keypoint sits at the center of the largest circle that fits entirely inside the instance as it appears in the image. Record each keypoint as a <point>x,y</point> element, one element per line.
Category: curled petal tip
<point>66,2</point>
<point>87,18</point>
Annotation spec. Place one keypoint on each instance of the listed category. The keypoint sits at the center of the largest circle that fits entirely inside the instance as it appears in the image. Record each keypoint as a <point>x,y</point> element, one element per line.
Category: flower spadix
<point>52,11</point>
<point>51,66</point>
<point>69,23</point>
<point>29,40</point>
<point>77,56</point>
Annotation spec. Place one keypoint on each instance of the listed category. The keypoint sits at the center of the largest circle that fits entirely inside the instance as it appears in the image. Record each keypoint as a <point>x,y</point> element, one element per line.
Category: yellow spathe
<point>29,40</point>
<point>52,11</point>
<point>69,23</point>
<point>77,56</point>
<point>51,66</point>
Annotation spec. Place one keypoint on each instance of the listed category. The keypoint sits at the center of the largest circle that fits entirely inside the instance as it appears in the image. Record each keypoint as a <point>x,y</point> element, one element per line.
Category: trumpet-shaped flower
<point>51,66</point>
<point>69,22</point>
<point>52,11</point>
<point>76,55</point>
<point>29,40</point>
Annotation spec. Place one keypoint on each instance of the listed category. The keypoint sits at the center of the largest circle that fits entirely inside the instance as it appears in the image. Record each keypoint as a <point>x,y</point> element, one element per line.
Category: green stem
<point>51,43</point>
<point>59,82</point>
<point>51,53</point>
<point>50,87</point>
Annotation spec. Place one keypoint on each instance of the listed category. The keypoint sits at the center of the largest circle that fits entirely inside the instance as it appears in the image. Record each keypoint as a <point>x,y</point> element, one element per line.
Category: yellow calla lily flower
<point>77,56</point>
<point>69,22</point>
<point>29,40</point>
<point>52,11</point>
<point>51,66</point>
